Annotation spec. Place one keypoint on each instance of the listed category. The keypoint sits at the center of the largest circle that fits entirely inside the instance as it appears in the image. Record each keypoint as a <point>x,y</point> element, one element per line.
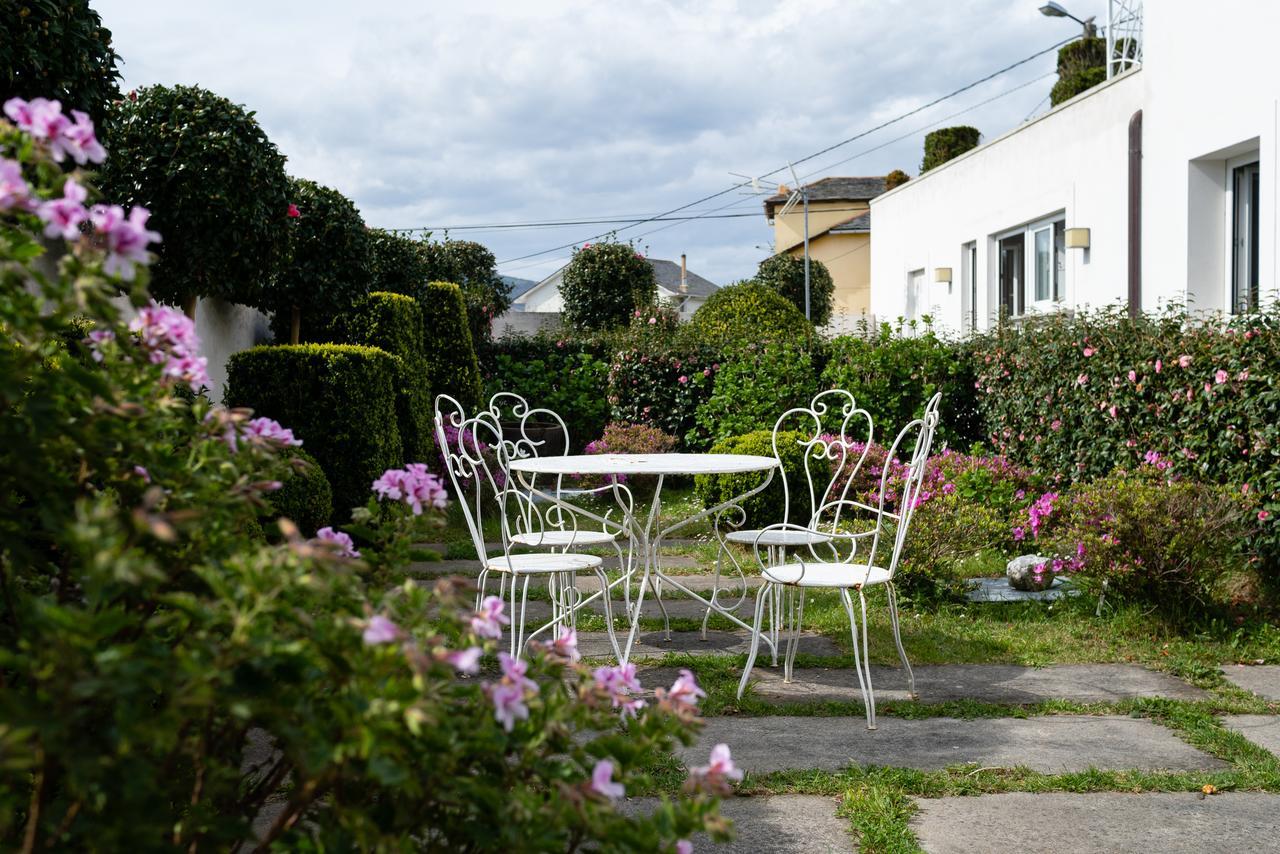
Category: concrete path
<point>1064,823</point>
<point>1051,744</point>
<point>1262,730</point>
<point>1261,679</point>
<point>777,824</point>
<point>652,644</point>
<point>990,683</point>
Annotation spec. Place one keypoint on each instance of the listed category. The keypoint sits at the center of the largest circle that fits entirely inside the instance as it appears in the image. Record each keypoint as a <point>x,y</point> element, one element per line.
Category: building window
<point>969,284</point>
<point>1245,235</point>
<point>1032,272</point>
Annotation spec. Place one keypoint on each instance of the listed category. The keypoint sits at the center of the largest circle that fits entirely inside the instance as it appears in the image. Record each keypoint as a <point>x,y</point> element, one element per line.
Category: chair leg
<point>796,614</point>
<point>480,582</point>
<point>866,661</point>
<point>656,585</point>
<point>897,639</point>
<point>608,613</point>
<point>857,656</point>
<point>766,590</point>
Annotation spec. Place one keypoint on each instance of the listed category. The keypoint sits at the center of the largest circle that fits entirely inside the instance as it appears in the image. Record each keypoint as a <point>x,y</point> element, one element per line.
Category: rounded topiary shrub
<point>397,263</point>
<point>747,313</point>
<point>604,284</point>
<point>766,507</point>
<point>450,355</point>
<point>215,186</point>
<point>785,274</point>
<point>754,387</point>
<point>59,51</point>
<point>896,178</point>
<point>306,497</point>
<point>328,269</point>
<point>473,267</point>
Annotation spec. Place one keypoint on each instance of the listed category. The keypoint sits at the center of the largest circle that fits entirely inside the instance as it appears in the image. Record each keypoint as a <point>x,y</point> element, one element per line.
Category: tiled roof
<point>850,189</point>
<point>860,224</point>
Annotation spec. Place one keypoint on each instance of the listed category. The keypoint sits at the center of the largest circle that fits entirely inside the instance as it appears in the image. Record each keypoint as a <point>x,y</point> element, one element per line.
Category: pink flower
<point>602,781</point>
<point>413,485</point>
<point>1083,379</point>
<point>684,380</point>
<point>344,545</point>
<point>43,119</point>
<point>684,846</point>
<point>508,704</point>
<point>80,142</point>
<point>1133,376</point>
<point>1263,515</point>
<point>126,238</point>
<point>566,645</point>
<point>142,472</point>
<point>1112,409</point>
<point>721,765</point>
<point>685,690</point>
<point>1221,376</point>
<point>465,660</point>
<point>489,620</point>
<point>170,338</point>
<point>1243,375</point>
<point>97,338</point>
<point>514,670</point>
<point>381,630</point>
<point>293,212</point>
<point>14,192</point>
<point>1088,351</point>
<point>652,321</point>
<point>1159,366</point>
<point>1019,533</point>
<point>62,217</point>
<point>619,682</point>
<point>1055,425</point>
<point>1184,361</point>
<point>269,430</point>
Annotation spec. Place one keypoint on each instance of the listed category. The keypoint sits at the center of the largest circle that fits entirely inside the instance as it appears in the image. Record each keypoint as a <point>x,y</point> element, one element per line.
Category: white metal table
<point>646,532</point>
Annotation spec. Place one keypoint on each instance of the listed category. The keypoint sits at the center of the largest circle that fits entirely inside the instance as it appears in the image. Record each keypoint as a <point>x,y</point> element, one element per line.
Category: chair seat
<point>778,538</point>
<point>542,563</point>
<point>833,575</point>
<point>560,539</point>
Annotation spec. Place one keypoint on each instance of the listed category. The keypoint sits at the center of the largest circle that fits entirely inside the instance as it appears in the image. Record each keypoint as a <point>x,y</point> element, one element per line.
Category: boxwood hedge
<point>450,354</point>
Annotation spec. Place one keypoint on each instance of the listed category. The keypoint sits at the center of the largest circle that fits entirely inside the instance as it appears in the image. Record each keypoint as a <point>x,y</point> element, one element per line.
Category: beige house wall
<point>789,230</point>
<point>848,258</point>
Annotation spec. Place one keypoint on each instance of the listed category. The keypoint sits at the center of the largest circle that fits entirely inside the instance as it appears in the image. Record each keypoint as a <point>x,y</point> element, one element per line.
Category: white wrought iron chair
<point>539,432</point>
<point>857,569</point>
<point>473,458</point>
<point>829,459</point>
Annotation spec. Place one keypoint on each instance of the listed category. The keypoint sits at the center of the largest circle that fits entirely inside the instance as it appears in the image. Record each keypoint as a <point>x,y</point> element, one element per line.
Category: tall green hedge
<point>397,263</point>
<point>306,497</point>
<point>450,354</point>
<point>564,376</point>
<point>339,399</point>
<point>747,313</point>
<point>946,144</point>
<point>393,322</point>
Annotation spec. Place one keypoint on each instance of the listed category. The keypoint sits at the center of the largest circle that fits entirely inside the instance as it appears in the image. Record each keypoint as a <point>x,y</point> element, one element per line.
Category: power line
<point>808,157</point>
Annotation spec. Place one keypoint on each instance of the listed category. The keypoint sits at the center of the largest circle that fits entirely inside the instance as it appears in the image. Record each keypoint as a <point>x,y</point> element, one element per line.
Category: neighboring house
<point>538,307</point>
<point>1157,186</point>
<point>839,236</point>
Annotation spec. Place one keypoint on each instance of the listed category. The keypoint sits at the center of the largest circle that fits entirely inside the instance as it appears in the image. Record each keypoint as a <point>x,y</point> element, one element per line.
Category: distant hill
<point>517,286</point>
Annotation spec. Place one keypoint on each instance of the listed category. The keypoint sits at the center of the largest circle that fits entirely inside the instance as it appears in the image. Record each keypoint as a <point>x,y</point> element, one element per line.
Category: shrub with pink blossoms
<point>169,338</point>
<point>413,485</point>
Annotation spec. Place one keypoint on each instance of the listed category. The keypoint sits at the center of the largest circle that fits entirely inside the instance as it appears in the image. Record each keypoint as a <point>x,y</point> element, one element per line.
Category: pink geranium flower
<point>269,430</point>
<point>721,765</point>
<point>602,781</point>
<point>14,192</point>
<point>465,660</point>
<point>566,644</point>
<point>79,141</point>
<point>508,705</point>
<point>62,217</point>
<point>685,690</point>
<point>344,545</point>
<point>380,630</point>
<point>489,620</point>
<point>126,238</point>
<point>414,485</point>
<point>514,670</point>
<point>684,846</point>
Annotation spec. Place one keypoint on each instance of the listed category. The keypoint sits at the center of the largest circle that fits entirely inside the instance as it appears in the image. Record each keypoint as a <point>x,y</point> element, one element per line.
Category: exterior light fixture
<point>1077,238</point>
<point>942,274</point>
<point>1056,10</point>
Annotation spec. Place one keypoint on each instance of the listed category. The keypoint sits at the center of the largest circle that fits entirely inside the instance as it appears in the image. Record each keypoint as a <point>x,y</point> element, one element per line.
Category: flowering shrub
<point>1165,541</point>
<point>663,388</point>
<point>1075,397</point>
<point>622,438</point>
<point>754,387</point>
<point>604,284</point>
<point>747,313</point>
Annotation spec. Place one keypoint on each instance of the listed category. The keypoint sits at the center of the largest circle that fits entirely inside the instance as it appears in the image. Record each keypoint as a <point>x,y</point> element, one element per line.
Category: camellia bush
<point>171,681</point>
<point>554,374</point>
<point>785,274</point>
<point>754,388</point>
<point>663,388</point>
<point>215,185</point>
<point>604,284</point>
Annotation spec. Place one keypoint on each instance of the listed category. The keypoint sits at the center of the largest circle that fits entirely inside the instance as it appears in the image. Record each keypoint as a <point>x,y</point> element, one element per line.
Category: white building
<point>1170,166</point>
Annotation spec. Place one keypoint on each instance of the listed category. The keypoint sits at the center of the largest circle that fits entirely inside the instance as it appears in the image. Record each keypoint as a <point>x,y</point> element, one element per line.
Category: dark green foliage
<point>896,178</point>
<point>306,497</point>
<point>328,267</point>
<point>946,144</point>
<point>663,386</point>
<point>1047,391</point>
<point>748,313</point>
<point>450,355</point>
<point>1082,64</point>
<point>393,322</point>
<point>398,264</point>
<point>893,376</point>
<point>60,51</point>
<point>561,376</point>
<point>339,399</point>
<point>1068,87</point>
<point>472,267</point>
<point>755,387</point>
<point>766,507</point>
<point>215,186</point>
<point>785,274</point>
<point>604,284</point>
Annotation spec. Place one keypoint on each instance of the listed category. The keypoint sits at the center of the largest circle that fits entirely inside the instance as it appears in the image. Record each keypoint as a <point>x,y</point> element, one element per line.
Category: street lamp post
<point>1055,10</point>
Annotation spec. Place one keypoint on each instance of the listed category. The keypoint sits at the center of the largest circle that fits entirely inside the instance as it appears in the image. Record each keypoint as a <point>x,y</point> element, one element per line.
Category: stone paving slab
<point>1262,730</point>
<point>1261,679</point>
<point>1049,744</point>
<point>652,644</point>
<point>999,590</point>
<point>1065,823</point>
<point>990,683</point>
<point>539,611</point>
<point>777,824</point>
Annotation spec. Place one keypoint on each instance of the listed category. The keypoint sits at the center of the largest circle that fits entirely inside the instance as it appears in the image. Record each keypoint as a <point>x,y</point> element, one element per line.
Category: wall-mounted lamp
<point>1077,238</point>
<point>942,274</point>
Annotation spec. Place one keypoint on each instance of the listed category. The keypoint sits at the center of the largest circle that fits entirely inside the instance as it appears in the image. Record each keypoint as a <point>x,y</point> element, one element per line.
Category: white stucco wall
<point>1209,89</point>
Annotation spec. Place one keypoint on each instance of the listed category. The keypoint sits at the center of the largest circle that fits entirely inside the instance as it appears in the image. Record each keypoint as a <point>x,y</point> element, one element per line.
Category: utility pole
<point>804,198</point>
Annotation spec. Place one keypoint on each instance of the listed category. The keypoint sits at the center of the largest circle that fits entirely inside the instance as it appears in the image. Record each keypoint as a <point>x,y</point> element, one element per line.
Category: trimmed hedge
<point>785,274</point>
<point>764,508</point>
<point>946,144</point>
<point>306,497</point>
<point>1082,64</point>
<point>393,322</point>
<point>747,313</point>
<point>450,354</point>
<point>565,377</point>
<point>339,399</point>
<point>755,387</point>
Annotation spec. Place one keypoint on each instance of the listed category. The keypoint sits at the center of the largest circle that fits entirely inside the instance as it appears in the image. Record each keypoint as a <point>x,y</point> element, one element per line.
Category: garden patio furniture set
<point>511,462</point>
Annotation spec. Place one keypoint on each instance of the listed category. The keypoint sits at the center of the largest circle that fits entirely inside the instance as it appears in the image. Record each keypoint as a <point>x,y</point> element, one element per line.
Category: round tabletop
<point>645,464</point>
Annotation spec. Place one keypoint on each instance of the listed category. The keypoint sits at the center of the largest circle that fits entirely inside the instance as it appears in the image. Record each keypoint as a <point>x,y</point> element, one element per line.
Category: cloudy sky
<point>447,114</point>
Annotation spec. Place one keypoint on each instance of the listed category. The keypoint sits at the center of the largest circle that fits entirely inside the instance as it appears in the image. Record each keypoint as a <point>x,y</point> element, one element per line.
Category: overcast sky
<point>446,114</point>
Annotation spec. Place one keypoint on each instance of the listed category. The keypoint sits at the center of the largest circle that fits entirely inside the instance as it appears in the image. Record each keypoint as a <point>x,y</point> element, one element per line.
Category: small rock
<point>1021,572</point>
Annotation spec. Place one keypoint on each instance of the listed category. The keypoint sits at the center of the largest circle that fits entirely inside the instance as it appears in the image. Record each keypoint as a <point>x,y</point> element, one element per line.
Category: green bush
<point>604,284</point>
<point>450,354</point>
<point>893,376</point>
<point>663,387</point>
<point>768,506</point>
<point>59,51</point>
<point>1068,87</point>
<point>305,498</point>
<point>747,313</point>
<point>397,264</point>
<point>946,144</point>
<point>328,269</point>
<point>393,322</point>
<point>946,532</point>
<point>1082,64</point>
<point>474,269</point>
<point>1074,397</point>
<point>785,274</point>
<point>754,387</point>
<point>555,375</point>
<point>339,399</point>
<point>896,178</point>
<point>215,186</point>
